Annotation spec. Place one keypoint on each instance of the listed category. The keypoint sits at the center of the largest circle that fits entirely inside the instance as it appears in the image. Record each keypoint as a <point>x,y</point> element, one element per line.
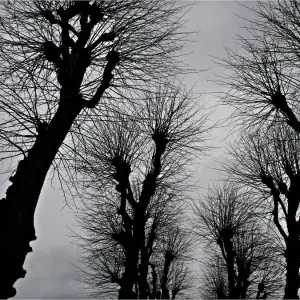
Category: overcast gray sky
<point>50,273</point>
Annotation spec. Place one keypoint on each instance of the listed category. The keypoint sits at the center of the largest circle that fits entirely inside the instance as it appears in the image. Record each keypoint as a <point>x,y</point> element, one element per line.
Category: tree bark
<point>17,209</point>
<point>230,268</point>
<point>164,289</point>
<point>143,273</point>
<point>144,289</point>
<point>292,267</point>
<point>129,276</point>
<point>292,242</point>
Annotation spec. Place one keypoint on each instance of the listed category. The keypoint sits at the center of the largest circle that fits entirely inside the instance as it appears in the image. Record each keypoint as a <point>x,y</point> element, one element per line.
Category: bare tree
<point>219,220</point>
<point>227,221</point>
<point>263,76</point>
<point>268,161</point>
<point>264,88</point>
<point>214,283</point>
<point>59,60</point>
<point>163,269</point>
<point>173,273</point>
<point>139,163</point>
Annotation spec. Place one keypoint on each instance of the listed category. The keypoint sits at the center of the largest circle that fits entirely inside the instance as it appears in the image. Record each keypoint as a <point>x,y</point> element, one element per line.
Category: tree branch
<point>112,58</point>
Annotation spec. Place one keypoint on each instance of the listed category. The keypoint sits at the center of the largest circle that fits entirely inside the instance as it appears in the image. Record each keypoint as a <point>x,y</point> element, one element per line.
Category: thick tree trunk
<point>242,279</point>
<point>154,282</point>
<point>292,267</point>
<point>17,209</point>
<point>292,242</point>
<point>230,268</point>
<point>244,289</point>
<point>165,294</point>
<point>127,282</point>
<point>147,250</point>
<point>129,277</point>
<point>143,283</point>
<point>126,292</point>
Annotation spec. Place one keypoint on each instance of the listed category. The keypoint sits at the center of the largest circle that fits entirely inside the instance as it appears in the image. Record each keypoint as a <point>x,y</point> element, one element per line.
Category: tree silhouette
<point>171,264</point>
<point>268,161</point>
<point>241,255</point>
<point>62,64</point>
<point>214,284</point>
<point>133,172</point>
<point>263,79</point>
<point>264,88</point>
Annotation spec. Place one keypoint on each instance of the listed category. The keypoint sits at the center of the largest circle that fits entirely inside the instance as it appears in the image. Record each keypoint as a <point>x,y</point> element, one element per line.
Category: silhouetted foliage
<point>64,63</point>
<point>133,181</point>
<point>242,256</point>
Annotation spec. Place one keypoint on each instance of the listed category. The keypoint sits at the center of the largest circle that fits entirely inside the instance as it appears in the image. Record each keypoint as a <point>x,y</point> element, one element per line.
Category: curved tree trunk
<point>17,209</point>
